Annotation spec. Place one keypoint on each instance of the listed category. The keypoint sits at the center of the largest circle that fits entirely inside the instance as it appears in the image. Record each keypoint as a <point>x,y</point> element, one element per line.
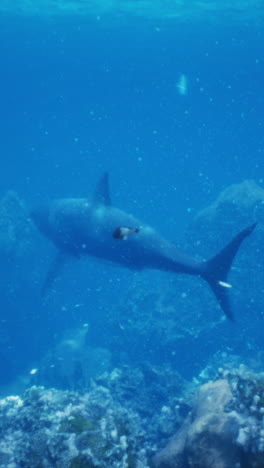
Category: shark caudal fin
<point>216,270</point>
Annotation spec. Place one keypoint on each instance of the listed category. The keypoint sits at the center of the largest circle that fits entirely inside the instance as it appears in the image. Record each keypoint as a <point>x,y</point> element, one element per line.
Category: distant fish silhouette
<point>123,232</point>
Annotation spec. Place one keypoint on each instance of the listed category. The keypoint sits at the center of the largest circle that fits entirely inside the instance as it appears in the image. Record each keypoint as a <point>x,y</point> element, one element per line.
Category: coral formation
<point>127,413</point>
<point>124,419</point>
<point>115,424</point>
<point>51,428</point>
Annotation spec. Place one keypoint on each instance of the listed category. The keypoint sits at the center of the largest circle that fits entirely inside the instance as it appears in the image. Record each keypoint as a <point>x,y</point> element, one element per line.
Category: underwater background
<point>114,367</point>
<point>167,97</point>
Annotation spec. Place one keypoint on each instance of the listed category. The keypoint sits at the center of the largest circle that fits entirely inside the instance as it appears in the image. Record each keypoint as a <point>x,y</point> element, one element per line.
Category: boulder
<point>211,436</point>
<point>236,207</point>
<point>206,439</point>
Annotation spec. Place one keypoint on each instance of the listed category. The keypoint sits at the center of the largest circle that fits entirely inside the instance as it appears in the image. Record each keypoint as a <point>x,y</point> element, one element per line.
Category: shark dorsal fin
<point>101,193</point>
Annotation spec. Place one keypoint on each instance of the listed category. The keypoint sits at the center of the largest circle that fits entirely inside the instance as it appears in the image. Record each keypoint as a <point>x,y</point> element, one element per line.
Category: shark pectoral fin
<point>102,193</point>
<point>53,273</point>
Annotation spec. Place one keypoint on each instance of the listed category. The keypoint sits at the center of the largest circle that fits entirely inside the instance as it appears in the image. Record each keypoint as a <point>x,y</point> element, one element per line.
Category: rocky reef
<point>236,207</point>
<point>115,423</point>
<point>225,427</point>
<point>128,414</point>
<point>51,428</point>
<point>137,400</point>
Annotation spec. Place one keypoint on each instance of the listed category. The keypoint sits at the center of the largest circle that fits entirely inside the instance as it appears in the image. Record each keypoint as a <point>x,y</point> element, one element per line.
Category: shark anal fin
<point>53,273</point>
<point>102,193</point>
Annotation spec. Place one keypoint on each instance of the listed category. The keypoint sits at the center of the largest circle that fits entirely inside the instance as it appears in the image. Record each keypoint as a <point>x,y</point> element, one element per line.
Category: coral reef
<point>115,424</point>
<point>129,413</point>
<point>51,428</point>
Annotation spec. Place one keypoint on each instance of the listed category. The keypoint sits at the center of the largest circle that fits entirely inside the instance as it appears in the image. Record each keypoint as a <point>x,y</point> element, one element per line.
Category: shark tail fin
<point>216,270</point>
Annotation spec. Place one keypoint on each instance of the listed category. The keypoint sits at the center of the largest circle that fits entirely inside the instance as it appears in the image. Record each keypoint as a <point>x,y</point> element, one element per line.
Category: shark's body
<point>80,227</point>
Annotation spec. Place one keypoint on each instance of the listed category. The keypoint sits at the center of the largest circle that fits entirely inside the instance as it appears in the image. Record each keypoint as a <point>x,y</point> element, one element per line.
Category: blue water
<point>83,94</point>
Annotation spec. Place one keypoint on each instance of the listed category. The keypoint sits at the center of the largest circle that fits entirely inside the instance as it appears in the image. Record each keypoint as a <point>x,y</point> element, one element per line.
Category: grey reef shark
<point>79,226</point>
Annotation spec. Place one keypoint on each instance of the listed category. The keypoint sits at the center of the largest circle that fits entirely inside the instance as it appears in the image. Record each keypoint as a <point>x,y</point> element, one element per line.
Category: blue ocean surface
<point>167,97</point>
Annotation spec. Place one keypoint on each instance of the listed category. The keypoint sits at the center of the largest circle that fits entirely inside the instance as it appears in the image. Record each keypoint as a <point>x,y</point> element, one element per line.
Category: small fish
<point>181,85</point>
<point>123,232</point>
<point>224,284</point>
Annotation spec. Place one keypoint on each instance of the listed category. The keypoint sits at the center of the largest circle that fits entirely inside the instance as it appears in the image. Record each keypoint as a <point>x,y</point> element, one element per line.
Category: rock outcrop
<point>225,428</point>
